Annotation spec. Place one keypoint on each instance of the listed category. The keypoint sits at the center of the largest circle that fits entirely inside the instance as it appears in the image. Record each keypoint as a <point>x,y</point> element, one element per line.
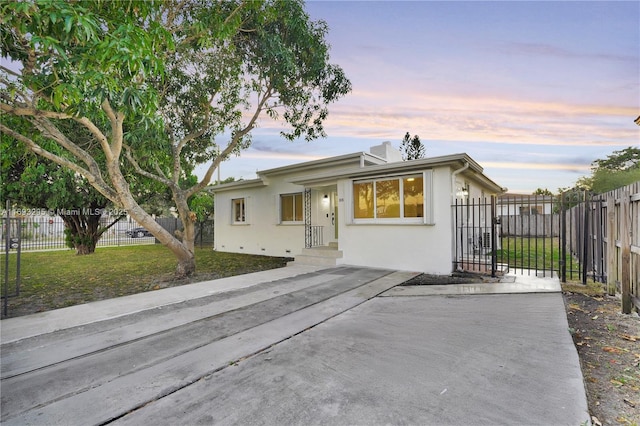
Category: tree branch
<point>95,131</point>
<point>160,178</point>
<point>23,111</point>
<point>237,137</point>
<point>95,180</point>
<point>10,71</point>
<point>112,152</point>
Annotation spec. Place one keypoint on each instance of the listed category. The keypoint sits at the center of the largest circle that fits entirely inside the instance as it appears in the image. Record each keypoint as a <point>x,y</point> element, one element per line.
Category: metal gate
<point>475,237</point>
<point>540,235</point>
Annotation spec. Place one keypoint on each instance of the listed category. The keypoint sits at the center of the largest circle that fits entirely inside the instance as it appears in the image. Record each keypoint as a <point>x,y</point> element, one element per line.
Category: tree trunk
<point>188,234</point>
<point>186,258</point>
<point>189,231</point>
<point>186,266</point>
<point>82,228</point>
<point>82,249</point>
<point>185,255</point>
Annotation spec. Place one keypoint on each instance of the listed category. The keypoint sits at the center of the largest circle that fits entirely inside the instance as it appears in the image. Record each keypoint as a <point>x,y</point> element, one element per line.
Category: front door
<point>334,214</point>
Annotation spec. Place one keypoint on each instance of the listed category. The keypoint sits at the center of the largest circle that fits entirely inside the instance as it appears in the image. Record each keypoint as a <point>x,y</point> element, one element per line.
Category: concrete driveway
<point>299,346</point>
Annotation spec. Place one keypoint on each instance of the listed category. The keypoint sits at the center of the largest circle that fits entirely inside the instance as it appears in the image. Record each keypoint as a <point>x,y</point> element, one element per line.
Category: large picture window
<point>239,213</point>
<point>389,198</point>
<point>291,209</point>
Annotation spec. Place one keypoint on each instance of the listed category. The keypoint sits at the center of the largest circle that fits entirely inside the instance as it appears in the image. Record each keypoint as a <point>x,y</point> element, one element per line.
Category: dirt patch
<point>456,278</point>
<point>608,344</point>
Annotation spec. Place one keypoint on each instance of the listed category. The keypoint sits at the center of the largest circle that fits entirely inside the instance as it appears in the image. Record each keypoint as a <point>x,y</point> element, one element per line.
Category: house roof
<point>252,183</point>
<point>347,159</point>
<point>453,160</point>
<point>360,165</point>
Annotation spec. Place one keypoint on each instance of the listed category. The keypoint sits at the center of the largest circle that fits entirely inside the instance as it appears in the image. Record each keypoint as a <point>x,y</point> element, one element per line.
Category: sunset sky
<point>533,91</point>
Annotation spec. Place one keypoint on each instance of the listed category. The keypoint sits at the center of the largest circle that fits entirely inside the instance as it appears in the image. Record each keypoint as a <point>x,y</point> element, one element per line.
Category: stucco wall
<point>262,234</point>
<point>414,247</point>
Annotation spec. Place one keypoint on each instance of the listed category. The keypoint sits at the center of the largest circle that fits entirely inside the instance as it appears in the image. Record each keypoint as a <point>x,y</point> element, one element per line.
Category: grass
<point>592,289</point>
<point>56,279</point>
<point>532,253</point>
<point>539,253</point>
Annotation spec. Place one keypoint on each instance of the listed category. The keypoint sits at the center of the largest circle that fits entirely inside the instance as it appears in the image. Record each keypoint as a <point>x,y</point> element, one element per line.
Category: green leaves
<point>77,54</point>
<point>154,88</point>
<point>287,52</point>
<point>619,169</point>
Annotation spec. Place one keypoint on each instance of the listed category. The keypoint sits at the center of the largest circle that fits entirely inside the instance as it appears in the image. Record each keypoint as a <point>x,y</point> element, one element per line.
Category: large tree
<point>162,86</point>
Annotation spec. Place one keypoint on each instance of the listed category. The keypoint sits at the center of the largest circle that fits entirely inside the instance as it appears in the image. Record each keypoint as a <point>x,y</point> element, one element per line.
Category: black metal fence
<point>535,234</point>
<point>204,229</point>
<point>42,232</point>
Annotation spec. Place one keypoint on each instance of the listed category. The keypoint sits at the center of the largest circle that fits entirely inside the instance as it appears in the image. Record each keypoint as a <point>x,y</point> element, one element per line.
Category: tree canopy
<point>412,148</point>
<point>619,169</point>
<point>542,191</point>
<point>161,86</point>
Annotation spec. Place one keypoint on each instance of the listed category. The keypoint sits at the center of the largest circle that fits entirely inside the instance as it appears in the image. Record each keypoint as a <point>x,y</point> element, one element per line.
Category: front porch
<point>320,230</point>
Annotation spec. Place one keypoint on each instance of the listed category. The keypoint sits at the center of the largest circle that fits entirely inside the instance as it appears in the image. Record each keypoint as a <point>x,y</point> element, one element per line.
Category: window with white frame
<point>386,199</point>
<point>239,210</point>
<point>291,208</point>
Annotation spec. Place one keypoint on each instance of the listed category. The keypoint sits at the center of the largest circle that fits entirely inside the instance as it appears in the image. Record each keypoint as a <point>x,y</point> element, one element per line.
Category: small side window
<point>239,210</point>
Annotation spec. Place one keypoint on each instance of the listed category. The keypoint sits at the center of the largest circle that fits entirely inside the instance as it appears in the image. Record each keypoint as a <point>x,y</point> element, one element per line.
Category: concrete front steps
<point>319,256</point>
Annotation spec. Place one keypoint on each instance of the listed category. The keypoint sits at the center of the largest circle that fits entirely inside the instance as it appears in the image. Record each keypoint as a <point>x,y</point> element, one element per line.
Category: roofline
<point>363,157</point>
<point>252,183</point>
<point>314,164</point>
<point>354,172</point>
<point>518,198</point>
<point>401,166</point>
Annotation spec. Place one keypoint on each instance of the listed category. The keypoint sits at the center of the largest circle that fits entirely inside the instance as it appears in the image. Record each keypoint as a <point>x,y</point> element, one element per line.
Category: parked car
<point>138,233</point>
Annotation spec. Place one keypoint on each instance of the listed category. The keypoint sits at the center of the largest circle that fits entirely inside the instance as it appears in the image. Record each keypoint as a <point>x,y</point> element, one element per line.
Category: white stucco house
<point>366,208</point>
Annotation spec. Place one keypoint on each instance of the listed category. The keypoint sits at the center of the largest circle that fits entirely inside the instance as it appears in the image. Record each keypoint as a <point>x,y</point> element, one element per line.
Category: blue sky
<point>533,91</point>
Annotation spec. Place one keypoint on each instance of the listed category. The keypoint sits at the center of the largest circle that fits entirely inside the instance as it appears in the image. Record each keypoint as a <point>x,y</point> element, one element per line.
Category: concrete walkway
<point>516,282</point>
<point>74,316</point>
<point>299,345</point>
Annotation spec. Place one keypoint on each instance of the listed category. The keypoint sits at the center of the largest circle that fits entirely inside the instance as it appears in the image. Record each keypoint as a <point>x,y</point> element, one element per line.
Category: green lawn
<point>531,253</point>
<point>539,253</point>
<point>56,279</point>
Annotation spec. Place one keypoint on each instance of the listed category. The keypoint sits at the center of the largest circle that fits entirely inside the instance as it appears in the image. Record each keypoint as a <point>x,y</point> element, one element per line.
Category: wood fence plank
<point>625,240</point>
<point>611,246</point>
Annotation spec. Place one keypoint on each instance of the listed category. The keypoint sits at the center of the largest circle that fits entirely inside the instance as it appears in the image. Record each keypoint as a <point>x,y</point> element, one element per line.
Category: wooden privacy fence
<point>622,243</point>
<point>607,232</point>
<point>538,225</point>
